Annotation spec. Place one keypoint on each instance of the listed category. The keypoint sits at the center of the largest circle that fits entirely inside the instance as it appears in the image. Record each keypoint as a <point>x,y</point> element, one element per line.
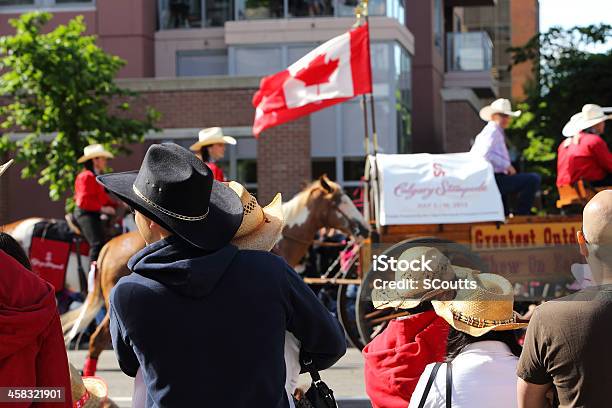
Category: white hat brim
<point>265,237</point>
<point>488,111</point>
<point>90,156</point>
<point>200,144</point>
<point>6,166</point>
<point>571,129</point>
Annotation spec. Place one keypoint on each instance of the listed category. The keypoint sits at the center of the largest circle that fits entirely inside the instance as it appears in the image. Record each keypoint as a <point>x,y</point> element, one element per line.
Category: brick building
<point>199,62</point>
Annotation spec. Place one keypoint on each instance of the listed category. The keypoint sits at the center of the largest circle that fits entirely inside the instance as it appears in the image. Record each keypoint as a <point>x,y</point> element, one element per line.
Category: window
<point>43,3</point>
<point>353,168</point>
<point>324,165</point>
<point>201,63</point>
<point>16,2</point>
<point>311,8</point>
<point>258,61</point>
<point>217,12</point>
<point>180,13</point>
<point>260,9</point>
<point>438,23</point>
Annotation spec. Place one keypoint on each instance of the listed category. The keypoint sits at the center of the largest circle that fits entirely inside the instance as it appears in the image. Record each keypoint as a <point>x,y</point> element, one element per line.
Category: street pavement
<point>345,378</point>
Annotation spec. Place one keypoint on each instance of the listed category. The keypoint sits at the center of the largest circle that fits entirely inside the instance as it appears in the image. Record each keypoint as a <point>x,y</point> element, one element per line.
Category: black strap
<point>449,384</point>
<point>432,377</point>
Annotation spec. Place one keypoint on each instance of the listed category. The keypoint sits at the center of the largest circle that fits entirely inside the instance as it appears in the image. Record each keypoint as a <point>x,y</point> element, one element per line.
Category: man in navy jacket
<point>203,320</point>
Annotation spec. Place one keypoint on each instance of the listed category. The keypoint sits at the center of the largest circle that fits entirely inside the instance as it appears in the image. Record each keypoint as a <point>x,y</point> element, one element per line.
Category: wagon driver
<point>491,144</point>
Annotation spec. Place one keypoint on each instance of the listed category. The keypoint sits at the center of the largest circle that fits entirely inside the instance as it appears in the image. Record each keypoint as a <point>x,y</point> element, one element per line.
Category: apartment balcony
<point>469,63</point>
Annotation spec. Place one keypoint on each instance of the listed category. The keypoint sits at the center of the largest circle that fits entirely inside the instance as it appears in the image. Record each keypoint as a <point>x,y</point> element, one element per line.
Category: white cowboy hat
<point>502,106</point>
<point>441,268</point>
<point>478,311</point>
<point>4,167</point>
<point>261,227</point>
<point>590,115</point>
<point>93,151</point>
<point>210,136</point>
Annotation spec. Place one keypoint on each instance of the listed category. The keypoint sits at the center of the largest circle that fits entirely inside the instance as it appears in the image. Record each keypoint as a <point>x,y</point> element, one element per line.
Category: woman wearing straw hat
<point>91,198</point>
<point>482,350</point>
<point>490,143</point>
<point>210,148</point>
<point>584,155</point>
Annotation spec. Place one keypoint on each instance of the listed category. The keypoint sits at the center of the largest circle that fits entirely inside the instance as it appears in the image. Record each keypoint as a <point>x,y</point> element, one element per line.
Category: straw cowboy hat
<point>590,115</point>
<point>210,136</point>
<point>88,392</point>
<point>261,227</point>
<point>502,106</point>
<point>4,167</point>
<point>93,151</point>
<point>441,268</point>
<point>177,191</point>
<point>478,311</point>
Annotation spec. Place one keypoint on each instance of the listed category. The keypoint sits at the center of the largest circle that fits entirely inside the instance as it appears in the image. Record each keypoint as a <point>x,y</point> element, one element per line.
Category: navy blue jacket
<point>208,329</point>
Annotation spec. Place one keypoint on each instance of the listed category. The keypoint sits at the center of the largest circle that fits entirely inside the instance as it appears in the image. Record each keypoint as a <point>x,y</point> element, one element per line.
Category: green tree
<point>59,89</point>
<point>569,74</point>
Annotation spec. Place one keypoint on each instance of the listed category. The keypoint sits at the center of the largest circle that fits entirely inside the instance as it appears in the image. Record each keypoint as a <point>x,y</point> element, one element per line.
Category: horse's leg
<point>98,341</point>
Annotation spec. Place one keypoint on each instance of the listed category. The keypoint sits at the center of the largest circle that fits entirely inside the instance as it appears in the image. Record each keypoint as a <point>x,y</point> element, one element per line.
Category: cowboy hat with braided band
<point>502,106</point>
<point>590,115</point>
<point>441,268</point>
<point>261,227</point>
<point>210,136</point>
<point>489,306</point>
<point>93,151</point>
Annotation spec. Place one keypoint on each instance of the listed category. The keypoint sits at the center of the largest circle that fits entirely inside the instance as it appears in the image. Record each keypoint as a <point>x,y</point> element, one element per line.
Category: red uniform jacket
<point>32,352</point>
<point>216,170</point>
<point>396,358</point>
<point>589,160</point>
<point>89,194</point>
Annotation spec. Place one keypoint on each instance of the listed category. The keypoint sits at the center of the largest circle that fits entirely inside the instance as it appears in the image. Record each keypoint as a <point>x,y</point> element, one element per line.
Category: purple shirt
<point>491,144</point>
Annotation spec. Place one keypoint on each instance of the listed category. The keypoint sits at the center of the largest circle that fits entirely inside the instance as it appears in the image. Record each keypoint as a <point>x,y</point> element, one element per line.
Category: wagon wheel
<point>370,321</point>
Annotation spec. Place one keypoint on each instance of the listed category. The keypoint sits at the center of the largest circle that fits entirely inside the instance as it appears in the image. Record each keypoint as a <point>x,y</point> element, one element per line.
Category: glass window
<point>403,98</point>
<point>295,52</point>
<point>353,133</point>
<point>218,12</point>
<point>246,171</point>
<point>323,132</point>
<point>16,2</point>
<point>180,13</point>
<point>438,23</point>
<point>322,166</point>
<point>380,62</point>
<point>311,8</point>
<point>353,168</point>
<point>72,1</point>
<point>346,8</point>
<point>258,61</point>
<point>260,9</point>
<point>201,63</point>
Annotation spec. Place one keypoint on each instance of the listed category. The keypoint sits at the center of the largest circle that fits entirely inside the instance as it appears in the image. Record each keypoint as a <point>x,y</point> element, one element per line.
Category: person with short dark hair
<point>9,245</point>
<point>204,320</point>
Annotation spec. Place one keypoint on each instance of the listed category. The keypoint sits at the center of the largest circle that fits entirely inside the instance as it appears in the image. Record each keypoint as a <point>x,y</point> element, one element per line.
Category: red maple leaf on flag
<point>318,71</point>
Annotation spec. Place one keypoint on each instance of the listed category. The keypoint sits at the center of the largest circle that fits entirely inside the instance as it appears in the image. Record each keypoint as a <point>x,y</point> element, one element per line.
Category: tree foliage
<point>569,74</point>
<point>59,89</point>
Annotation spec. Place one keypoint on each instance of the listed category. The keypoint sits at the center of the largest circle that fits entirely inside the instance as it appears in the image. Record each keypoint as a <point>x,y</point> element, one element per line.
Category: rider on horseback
<point>91,198</point>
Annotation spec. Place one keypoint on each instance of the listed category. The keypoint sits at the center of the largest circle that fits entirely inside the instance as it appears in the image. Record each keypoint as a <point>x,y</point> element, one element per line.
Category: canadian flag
<point>331,73</point>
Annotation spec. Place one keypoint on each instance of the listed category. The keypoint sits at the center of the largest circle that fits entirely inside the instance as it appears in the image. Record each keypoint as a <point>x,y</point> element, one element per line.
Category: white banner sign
<point>437,189</point>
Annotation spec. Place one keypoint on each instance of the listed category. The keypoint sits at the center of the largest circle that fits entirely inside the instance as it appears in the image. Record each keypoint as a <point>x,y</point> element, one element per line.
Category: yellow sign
<point>516,236</point>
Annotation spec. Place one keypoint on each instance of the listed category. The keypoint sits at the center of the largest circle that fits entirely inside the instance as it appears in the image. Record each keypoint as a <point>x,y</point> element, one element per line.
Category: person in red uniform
<point>210,148</point>
<point>584,155</point>
<point>91,198</point>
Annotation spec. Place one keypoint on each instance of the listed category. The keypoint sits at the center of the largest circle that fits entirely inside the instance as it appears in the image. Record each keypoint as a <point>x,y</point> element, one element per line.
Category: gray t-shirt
<point>569,344</point>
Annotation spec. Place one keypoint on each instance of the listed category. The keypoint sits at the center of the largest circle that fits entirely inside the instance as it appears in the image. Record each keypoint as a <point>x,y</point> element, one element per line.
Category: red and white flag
<point>332,73</point>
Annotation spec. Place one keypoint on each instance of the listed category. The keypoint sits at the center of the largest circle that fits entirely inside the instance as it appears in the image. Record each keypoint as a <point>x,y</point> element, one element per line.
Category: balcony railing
<point>471,51</point>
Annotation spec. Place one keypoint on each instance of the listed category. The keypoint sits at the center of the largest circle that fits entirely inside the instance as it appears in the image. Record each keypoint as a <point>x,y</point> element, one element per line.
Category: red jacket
<point>396,358</point>
<point>217,171</point>
<point>32,352</point>
<point>589,160</point>
<point>89,194</point>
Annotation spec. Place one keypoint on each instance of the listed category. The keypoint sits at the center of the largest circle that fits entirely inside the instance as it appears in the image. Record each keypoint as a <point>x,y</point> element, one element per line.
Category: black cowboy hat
<point>177,191</point>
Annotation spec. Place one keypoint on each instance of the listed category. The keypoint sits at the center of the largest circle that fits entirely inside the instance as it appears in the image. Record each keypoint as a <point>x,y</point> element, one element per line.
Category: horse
<point>321,204</point>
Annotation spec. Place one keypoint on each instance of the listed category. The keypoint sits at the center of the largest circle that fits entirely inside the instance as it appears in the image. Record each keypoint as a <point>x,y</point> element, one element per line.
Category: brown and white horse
<point>322,204</point>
